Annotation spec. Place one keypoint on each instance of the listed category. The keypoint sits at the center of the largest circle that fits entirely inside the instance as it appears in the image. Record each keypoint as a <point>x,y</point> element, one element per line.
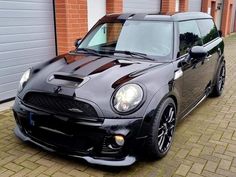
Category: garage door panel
<point>25,5</point>
<point>5,72</point>
<point>27,38</point>
<point>24,60</point>
<point>26,29</point>
<point>31,1</point>
<point>25,21</point>
<point>9,86</point>
<point>10,78</point>
<point>27,52</point>
<point>8,94</point>
<point>17,70</point>
<point>25,45</point>
<point>141,6</point>
<point>25,13</point>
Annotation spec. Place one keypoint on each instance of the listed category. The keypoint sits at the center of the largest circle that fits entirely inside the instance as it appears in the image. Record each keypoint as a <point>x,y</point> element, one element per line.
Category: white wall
<point>96,10</point>
<point>195,5</point>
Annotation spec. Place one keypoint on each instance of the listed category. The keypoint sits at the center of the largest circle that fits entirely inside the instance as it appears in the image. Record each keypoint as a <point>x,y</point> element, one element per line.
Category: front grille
<point>60,105</point>
<point>64,135</point>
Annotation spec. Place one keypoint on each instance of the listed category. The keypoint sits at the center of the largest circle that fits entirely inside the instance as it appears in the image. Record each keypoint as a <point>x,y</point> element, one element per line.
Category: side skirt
<point>201,100</point>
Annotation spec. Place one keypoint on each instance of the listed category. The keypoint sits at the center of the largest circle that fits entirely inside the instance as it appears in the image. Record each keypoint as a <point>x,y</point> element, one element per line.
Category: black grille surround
<point>58,104</point>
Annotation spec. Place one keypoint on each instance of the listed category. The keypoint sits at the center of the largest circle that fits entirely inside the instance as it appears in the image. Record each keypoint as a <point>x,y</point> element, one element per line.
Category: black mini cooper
<point>123,89</point>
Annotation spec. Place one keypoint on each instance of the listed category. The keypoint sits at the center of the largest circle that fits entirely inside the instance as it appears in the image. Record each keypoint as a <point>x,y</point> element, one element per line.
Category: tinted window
<point>208,30</point>
<point>189,36</point>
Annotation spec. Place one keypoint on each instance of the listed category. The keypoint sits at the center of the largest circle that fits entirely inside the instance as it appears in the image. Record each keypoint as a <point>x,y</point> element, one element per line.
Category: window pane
<point>208,30</point>
<point>189,36</point>
<point>154,38</point>
<point>105,35</point>
<point>151,38</point>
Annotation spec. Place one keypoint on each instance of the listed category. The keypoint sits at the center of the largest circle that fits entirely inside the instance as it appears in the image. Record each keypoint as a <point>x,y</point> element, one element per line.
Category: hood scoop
<point>67,80</point>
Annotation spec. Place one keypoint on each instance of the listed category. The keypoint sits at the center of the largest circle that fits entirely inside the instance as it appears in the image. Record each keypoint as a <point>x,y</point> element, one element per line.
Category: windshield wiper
<point>90,51</point>
<point>133,54</point>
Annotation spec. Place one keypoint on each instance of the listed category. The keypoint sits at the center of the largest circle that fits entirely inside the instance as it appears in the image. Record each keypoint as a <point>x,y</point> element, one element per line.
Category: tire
<point>220,81</point>
<point>162,129</point>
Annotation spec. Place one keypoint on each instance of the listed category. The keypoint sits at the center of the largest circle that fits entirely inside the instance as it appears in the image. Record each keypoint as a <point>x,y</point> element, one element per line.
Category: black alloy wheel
<point>166,128</point>
<point>162,130</point>
<point>220,81</point>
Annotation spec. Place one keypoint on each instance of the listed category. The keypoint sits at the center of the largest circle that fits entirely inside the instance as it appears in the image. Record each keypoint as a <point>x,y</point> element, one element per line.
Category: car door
<point>193,71</point>
<point>211,41</point>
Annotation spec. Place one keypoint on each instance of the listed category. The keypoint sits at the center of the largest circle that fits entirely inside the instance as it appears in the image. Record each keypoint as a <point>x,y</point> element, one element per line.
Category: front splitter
<point>127,161</point>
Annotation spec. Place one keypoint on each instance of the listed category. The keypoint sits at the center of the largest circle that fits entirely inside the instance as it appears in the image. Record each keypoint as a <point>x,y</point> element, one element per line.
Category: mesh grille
<point>59,104</point>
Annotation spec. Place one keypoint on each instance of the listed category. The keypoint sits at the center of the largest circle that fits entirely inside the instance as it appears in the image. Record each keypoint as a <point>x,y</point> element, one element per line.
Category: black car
<point>123,89</point>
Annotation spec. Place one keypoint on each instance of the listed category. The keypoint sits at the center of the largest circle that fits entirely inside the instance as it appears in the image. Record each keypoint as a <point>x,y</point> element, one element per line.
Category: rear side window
<point>189,36</point>
<point>208,30</point>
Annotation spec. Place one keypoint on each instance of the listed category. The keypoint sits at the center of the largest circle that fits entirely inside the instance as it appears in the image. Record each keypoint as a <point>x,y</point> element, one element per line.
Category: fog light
<point>119,140</point>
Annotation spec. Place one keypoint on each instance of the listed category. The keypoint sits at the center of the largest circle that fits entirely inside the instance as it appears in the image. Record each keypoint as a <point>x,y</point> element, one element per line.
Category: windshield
<point>152,38</point>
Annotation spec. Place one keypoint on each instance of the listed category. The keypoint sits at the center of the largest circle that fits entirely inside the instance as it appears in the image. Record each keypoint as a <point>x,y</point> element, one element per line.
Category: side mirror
<point>77,42</point>
<point>220,33</point>
<point>198,52</point>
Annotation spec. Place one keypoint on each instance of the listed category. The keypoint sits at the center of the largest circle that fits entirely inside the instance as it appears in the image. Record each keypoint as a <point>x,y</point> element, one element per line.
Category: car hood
<point>85,77</point>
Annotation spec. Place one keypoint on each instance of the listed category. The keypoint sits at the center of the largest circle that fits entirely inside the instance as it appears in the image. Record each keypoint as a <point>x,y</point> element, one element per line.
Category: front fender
<point>169,90</point>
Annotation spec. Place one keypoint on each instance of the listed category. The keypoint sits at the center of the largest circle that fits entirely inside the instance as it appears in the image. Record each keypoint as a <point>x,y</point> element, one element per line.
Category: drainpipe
<point>160,7</point>
<point>223,4</point>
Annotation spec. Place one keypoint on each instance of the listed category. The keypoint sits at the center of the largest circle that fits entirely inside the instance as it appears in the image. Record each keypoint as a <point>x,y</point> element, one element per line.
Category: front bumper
<point>86,140</point>
<point>127,161</point>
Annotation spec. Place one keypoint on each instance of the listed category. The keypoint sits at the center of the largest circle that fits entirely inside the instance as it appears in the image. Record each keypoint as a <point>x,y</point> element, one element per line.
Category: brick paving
<point>204,144</point>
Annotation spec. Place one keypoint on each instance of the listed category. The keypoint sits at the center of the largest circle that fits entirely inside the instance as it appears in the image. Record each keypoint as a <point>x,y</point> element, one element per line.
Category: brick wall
<point>226,17</point>
<point>71,22</point>
<point>168,6</point>
<point>113,32</point>
<point>205,5</point>
<point>114,6</point>
<point>183,5</point>
<point>71,17</point>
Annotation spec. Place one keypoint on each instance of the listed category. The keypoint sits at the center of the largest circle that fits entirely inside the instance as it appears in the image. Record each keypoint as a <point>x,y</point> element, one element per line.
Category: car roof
<point>181,16</point>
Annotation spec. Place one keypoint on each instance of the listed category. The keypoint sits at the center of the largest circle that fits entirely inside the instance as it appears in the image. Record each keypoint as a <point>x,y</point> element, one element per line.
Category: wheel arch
<point>161,95</point>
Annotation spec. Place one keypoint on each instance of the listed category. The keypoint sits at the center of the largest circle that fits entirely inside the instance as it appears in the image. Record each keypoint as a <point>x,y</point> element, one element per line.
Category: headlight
<point>127,98</point>
<point>24,79</point>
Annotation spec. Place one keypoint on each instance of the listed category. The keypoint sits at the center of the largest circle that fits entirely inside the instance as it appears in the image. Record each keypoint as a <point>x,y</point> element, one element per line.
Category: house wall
<point>72,17</point>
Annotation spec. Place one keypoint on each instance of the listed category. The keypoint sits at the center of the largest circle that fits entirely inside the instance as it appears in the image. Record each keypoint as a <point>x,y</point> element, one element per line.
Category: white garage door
<point>26,38</point>
<point>195,5</point>
<point>141,6</point>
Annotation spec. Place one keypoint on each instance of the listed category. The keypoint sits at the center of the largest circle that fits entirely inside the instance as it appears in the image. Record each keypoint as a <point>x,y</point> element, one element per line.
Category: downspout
<point>223,4</point>
<point>160,7</point>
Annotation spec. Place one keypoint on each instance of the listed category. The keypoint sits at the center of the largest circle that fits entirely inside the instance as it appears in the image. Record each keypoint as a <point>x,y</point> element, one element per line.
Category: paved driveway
<point>204,144</point>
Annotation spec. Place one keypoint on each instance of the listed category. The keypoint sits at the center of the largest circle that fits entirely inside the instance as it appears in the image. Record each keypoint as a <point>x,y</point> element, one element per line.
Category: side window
<point>189,36</point>
<point>208,30</point>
